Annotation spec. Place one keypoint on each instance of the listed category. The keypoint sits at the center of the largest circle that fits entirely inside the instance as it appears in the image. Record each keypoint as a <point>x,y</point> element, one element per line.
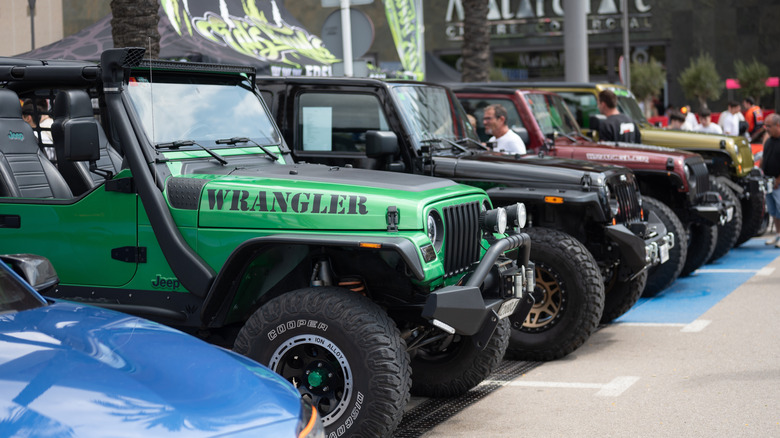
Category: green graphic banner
<point>402,15</point>
<point>266,33</point>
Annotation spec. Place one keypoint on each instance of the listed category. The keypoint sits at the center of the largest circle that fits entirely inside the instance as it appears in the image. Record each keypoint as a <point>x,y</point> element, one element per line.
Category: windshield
<point>202,109</point>
<point>628,106</point>
<point>552,114</point>
<point>14,295</point>
<point>428,113</point>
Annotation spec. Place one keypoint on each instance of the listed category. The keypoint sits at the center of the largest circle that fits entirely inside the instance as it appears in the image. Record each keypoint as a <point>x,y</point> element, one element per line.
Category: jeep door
<point>89,240</point>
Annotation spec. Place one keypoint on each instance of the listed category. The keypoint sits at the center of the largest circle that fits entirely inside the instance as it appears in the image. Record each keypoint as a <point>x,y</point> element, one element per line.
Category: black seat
<point>76,105</point>
<point>25,172</point>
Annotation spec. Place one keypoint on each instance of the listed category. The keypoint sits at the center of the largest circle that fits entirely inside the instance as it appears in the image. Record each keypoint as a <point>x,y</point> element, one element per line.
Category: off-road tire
<point>337,331</point>
<point>752,218</point>
<point>702,239</point>
<point>728,232</point>
<point>620,296</point>
<point>573,300</point>
<point>459,367</point>
<point>659,277</point>
<point>764,224</point>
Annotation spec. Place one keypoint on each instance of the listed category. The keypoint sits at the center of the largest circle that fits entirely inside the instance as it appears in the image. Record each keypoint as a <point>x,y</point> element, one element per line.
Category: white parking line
<point>732,271</point>
<point>765,271</point>
<point>696,326</point>
<point>612,389</point>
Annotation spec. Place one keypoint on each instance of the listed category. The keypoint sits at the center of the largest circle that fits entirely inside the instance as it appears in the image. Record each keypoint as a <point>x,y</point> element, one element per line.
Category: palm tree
<point>476,41</point>
<point>134,24</point>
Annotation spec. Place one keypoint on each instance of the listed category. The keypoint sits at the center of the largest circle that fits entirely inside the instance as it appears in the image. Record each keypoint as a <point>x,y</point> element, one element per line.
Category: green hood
<point>320,198</point>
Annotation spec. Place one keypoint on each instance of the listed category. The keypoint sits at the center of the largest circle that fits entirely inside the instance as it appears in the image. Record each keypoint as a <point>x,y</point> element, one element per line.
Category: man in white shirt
<point>729,119</point>
<point>705,123</point>
<point>505,140</point>
<point>690,119</point>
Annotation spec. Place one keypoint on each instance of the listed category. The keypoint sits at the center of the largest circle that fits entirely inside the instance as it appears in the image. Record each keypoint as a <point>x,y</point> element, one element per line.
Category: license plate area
<point>663,252</point>
<point>508,308</point>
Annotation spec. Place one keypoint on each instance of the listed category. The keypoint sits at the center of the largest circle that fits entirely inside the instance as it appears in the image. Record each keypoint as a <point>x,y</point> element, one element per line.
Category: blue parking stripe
<point>690,297</point>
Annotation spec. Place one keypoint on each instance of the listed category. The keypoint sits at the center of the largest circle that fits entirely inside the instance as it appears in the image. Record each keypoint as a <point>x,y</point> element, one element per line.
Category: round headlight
<point>435,230</point>
<point>689,177</point>
<point>614,206</point>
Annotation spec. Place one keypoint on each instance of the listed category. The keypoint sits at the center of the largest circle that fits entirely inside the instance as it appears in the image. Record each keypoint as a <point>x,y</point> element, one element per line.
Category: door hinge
<point>122,185</point>
<point>129,254</point>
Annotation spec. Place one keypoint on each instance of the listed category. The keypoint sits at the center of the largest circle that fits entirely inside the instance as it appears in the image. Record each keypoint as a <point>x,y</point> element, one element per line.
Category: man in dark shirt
<point>770,164</point>
<point>617,127</point>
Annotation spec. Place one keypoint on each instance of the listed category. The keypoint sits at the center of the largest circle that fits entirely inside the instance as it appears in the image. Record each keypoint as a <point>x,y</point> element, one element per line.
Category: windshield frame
<point>568,124</point>
<point>173,96</point>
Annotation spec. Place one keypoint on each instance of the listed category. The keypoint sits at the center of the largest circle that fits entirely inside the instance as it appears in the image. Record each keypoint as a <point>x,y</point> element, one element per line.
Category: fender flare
<point>221,291</point>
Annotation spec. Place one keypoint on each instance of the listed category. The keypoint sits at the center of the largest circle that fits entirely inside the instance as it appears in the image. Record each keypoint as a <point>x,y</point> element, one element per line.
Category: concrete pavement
<point>716,375</point>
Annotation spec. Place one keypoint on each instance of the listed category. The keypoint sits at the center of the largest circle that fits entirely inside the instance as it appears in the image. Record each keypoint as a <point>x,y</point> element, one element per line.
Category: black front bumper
<point>470,309</point>
<point>713,210</point>
<point>641,244</point>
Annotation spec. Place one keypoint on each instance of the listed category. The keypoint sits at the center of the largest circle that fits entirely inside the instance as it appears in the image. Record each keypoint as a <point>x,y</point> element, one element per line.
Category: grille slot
<point>702,176</point>
<point>628,201</point>
<point>461,237</point>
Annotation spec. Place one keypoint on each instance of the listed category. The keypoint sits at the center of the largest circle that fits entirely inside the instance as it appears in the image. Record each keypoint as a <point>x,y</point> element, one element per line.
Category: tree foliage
<point>700,80</point>
<point>647,78</point>
<point>752,78</point>
<point>476,41</point>
<point>134,24</point>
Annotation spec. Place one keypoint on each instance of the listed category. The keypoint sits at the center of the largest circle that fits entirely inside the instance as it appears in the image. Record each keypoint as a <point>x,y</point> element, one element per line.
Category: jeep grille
<point>628,200</point>
<point>462,237</point>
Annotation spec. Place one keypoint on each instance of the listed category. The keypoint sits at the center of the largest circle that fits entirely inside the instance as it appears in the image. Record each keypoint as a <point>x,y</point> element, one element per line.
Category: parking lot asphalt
<point>701,359</point>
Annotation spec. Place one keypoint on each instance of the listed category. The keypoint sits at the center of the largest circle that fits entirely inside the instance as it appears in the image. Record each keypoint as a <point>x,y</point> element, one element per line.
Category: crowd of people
<point>744,118</point>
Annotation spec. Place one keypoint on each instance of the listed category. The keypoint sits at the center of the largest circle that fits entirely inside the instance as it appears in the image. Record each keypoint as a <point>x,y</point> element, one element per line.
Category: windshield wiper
<point>235,140</point>
<point>472,141</point>
<point>569,135</point>
<point>179,143</point>
<point>440,140</point>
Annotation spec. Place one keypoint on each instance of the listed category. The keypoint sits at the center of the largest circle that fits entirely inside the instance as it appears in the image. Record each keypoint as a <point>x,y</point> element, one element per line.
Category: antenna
<point>151,87</point>
<point>151,104</point>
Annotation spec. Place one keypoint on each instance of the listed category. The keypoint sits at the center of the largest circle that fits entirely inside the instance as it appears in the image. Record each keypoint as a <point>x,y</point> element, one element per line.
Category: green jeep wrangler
<point>179,202</point>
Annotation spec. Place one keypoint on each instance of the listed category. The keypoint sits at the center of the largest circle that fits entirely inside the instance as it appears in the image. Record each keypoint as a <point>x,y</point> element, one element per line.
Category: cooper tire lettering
<point>350,348</point>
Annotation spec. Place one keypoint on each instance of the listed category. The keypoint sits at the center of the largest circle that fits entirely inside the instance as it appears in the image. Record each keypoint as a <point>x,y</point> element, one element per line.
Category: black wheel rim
<point>319,370</point>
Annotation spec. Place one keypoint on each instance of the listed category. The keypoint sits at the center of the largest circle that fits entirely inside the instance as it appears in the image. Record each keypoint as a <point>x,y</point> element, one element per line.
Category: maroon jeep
<point>675,184</point>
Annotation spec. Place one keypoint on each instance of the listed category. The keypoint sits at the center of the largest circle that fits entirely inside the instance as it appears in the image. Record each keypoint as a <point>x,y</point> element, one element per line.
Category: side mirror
<point>34,269</point>
<point>381,144</point>
<point>743,127</point>
<point>81,140</point>
<point>595,122</point>
<point>523,133</point>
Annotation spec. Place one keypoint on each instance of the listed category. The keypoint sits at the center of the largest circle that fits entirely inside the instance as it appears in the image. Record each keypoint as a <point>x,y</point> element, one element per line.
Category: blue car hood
<point>75,370</point>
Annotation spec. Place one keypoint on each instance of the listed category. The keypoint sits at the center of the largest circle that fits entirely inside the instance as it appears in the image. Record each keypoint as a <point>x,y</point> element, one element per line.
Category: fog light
<point>516,215</point>
<point>493,221</point>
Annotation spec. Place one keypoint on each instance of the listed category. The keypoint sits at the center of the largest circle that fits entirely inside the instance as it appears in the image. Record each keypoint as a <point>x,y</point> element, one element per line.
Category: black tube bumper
<point>470,309</point>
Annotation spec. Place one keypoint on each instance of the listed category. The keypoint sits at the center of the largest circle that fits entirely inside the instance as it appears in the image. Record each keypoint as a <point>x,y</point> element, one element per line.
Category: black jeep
<point>585,218</point>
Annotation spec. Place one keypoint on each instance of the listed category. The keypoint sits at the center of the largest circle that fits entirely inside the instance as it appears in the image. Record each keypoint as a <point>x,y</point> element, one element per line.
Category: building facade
<point>527,37</point>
